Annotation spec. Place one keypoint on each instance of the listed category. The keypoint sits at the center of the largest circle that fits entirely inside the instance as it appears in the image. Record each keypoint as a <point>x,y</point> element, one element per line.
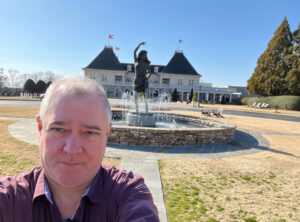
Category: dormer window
<point>155,69</point>
<point>129,68</point>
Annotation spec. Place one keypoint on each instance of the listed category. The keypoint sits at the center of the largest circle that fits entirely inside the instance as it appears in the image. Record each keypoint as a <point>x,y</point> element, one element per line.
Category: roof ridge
<point>179,64</point>
<point>106,59</point>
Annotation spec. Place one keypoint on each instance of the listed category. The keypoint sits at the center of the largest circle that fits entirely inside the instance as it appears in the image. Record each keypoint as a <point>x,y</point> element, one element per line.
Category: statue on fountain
<point>142,74</point>
<point>140,84</point>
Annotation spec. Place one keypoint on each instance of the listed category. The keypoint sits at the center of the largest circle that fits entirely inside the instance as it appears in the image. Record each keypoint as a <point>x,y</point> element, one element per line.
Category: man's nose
<point>73,144</point>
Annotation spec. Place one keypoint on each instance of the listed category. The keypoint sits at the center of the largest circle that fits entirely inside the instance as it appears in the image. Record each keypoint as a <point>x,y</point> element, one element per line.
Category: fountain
<point>169,129</point>
<point>157,128</point>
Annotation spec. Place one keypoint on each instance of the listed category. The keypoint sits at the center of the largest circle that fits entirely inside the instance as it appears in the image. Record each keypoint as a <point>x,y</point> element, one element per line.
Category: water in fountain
<point>164,120</point>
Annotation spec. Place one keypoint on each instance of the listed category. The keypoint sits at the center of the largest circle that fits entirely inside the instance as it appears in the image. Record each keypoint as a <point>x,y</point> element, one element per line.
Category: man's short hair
<point>74,86</point>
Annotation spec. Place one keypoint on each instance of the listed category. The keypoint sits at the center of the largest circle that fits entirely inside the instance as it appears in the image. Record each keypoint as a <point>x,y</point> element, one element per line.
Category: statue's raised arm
<point>142,74</point>
<point>137,48</point>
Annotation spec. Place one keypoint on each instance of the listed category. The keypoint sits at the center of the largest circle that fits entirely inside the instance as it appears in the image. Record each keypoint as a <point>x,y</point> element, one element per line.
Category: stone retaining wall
<point>219,131</point>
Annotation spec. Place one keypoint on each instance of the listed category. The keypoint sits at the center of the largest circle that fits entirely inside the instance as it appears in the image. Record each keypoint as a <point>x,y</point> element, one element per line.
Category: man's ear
<point>108,130</point>
<point>39,123</point>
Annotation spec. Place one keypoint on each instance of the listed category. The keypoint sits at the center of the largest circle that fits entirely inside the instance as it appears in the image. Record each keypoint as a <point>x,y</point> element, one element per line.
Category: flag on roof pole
<point>111,36</point>
<point>179,42</point>
<point>117,48</point>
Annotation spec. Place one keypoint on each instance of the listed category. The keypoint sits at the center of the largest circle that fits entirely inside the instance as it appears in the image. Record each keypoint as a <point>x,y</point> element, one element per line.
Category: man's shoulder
<point>131,194</point>
<point>121,176</point>
<point>124,183</point>
<point>24,182</point>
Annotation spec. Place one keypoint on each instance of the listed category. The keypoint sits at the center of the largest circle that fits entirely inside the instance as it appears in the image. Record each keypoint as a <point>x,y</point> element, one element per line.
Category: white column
<point>206,96</point>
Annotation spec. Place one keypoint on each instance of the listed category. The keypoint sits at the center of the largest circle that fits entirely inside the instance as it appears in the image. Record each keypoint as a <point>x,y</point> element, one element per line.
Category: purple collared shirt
<point>114,195</point>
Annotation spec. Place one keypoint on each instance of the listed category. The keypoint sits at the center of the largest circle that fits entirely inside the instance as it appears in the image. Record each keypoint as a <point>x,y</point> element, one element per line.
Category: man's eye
<point>91,133</point>
<point>58,129</point>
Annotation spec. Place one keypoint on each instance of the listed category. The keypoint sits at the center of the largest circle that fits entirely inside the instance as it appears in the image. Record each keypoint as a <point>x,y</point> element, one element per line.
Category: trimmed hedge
<point>283,102</point>
<point>244,101</point>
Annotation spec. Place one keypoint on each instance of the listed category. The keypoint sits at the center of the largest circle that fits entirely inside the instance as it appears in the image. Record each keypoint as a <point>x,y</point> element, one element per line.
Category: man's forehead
<point>89,104</point>
<point>61,99</point>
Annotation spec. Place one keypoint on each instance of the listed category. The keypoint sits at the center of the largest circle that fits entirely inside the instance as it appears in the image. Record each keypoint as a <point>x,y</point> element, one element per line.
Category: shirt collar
<point>92,192</point>
<point>40,184</point>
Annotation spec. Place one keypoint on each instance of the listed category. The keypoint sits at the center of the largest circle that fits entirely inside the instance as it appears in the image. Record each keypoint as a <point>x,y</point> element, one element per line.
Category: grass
<point>16,156</point>
<point>19,111</point>
<point>257,187</point>
<point>203,193</point>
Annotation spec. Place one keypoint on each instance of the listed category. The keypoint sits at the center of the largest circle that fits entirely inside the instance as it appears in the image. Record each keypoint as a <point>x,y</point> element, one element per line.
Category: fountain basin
<point>140,119</point>
<point>209,130</point>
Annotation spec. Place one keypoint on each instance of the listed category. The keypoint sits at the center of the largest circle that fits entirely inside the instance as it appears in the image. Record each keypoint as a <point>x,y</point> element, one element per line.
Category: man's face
<point>73,138</point>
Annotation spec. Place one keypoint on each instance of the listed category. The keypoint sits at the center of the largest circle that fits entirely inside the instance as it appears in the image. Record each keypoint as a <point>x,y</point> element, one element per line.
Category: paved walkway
<point>143,160</point>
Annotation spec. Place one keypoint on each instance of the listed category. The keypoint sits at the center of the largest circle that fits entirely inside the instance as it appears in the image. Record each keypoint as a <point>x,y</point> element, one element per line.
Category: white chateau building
<point>117,78</point>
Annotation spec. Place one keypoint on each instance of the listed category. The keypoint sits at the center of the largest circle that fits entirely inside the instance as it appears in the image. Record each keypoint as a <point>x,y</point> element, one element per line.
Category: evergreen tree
<point>293,76</point>
<point>41,86</point>
<point>29,86</point>
<point>191,95</point>
<point>175,95</point>
<point>269,77</point>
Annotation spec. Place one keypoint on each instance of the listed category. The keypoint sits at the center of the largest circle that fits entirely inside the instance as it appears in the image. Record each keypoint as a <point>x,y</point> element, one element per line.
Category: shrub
<point>223,100</point>
<point>175,95</point>
<point>244,101</point>
<point>283,102</point>
<point>194,99</point>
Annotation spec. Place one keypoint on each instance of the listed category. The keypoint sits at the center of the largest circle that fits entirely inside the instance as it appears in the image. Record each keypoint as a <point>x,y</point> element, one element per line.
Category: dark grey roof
<point>160,67</point>
<point>180,65</point>
<point>106,60</point>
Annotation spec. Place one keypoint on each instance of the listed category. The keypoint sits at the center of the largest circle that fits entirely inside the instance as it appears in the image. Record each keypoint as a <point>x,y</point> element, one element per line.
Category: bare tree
<point>21,79</point>
<point>12,74</point>
<point>48,76</point>
<point>35,76</point>
<point>3,78</point>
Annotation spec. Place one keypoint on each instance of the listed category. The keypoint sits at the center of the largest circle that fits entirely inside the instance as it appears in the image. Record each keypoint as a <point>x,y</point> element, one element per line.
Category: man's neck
<point>67,199</point>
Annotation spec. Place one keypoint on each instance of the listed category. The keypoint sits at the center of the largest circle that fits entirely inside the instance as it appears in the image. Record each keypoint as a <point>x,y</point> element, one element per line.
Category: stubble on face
<point>73,138</point>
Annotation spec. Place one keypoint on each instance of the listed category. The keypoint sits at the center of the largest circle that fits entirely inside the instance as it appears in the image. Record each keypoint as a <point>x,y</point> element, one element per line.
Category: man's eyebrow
<point>91,127</point>
<point>61,123</point>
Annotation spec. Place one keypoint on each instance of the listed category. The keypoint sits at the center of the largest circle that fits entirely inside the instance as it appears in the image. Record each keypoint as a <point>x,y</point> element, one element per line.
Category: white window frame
<point>120,80</point>
<point>128,80</point>
<point>179,82</point>
<point>165,81</point>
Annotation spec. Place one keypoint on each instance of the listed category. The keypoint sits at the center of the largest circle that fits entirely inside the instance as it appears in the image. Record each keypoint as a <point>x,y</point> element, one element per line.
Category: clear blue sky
<point>221,39</point>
